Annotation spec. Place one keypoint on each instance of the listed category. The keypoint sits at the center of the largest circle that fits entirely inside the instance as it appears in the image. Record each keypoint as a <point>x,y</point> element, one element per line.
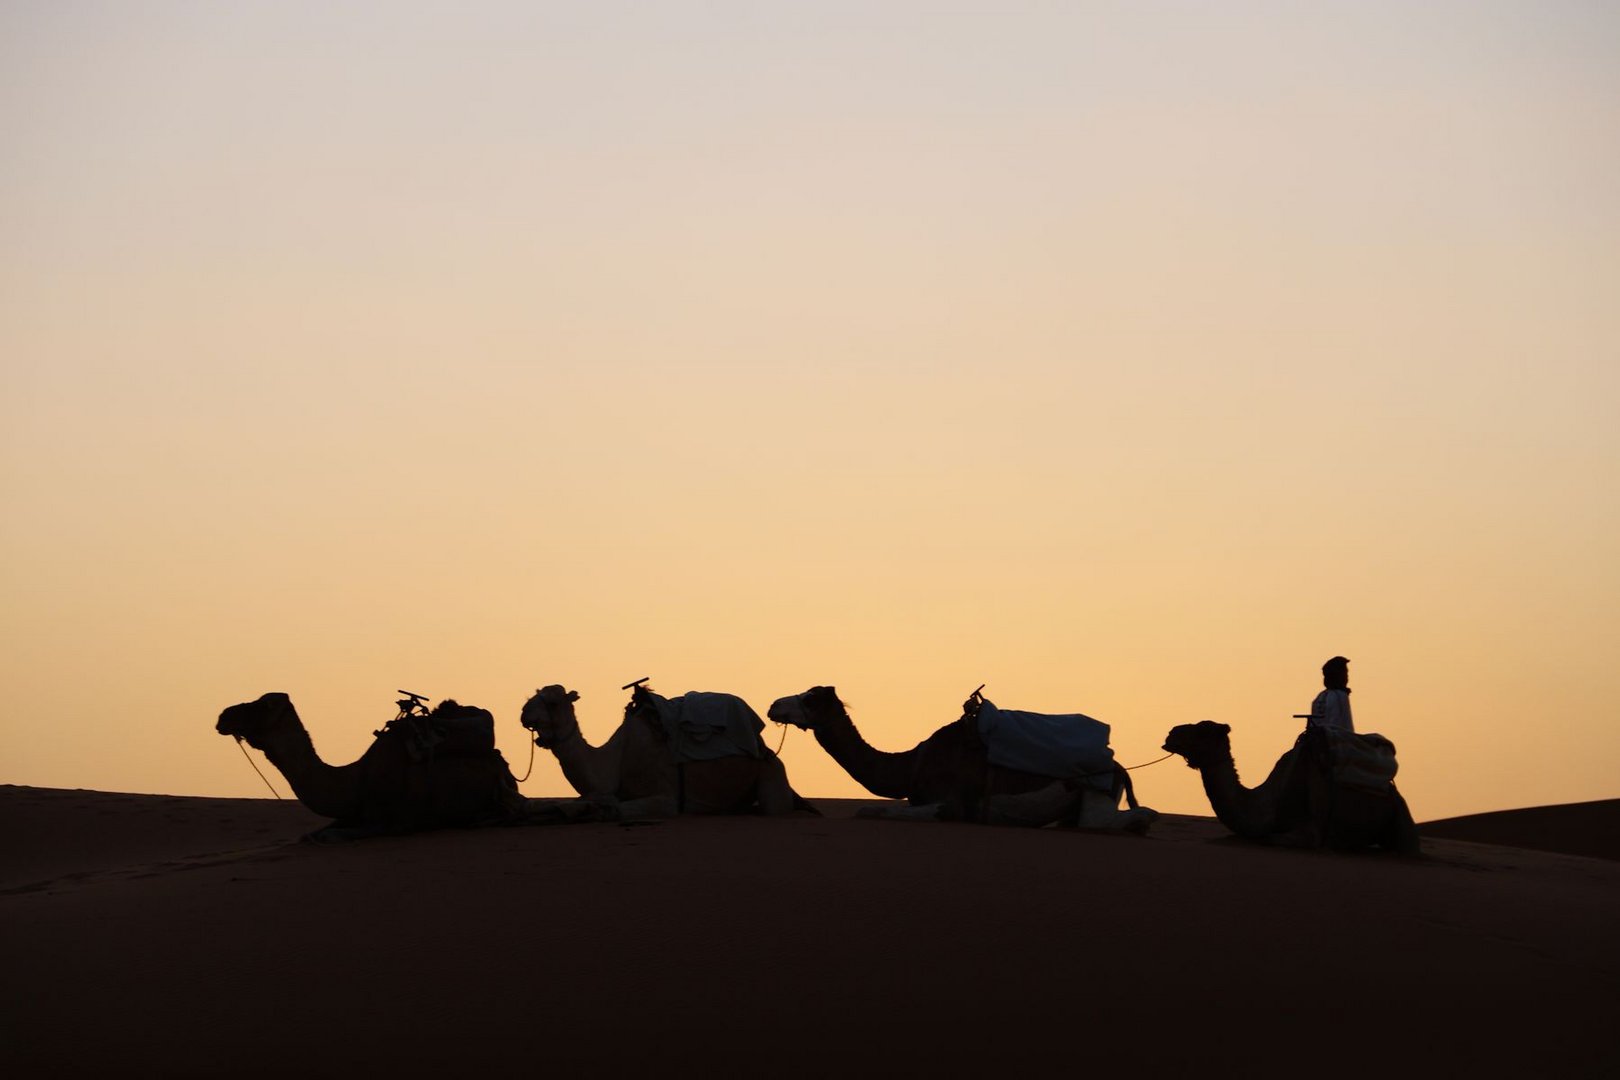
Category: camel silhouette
<point>949,776</point>
<point>639,768</point>
<point>1299,804</point>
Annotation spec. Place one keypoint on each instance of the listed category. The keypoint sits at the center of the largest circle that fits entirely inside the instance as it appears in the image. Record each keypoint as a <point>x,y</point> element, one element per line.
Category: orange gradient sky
<point>1129,358</point>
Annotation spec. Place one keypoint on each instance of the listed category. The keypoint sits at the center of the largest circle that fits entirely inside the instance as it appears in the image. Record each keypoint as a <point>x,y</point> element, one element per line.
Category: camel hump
<point>1065,746</point>
<point>464,730</point>
<point>450,730</point>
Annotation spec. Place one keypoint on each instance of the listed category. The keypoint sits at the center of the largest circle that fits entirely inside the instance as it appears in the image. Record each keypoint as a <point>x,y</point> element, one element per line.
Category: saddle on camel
<point>1071,747</point>
<point>697,753</point>
<point>424,769</point>
<point>991,765</point>
<point>1333,788</point>
<point>450,729</point>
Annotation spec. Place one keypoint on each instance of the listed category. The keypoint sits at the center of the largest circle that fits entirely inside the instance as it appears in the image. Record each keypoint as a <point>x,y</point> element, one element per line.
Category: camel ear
<point>573,695</point>
<point>1226,729</point>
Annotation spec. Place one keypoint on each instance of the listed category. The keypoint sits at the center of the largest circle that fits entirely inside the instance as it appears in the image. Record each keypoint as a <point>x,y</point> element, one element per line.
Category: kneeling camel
<point>639,770</point>
<point>949,776</point>
<point>1299,804</point>
<point>397,786</point>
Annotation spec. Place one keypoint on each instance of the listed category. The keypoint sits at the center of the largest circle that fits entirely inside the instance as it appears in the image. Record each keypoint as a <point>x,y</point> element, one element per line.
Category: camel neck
<point>884,774</point>
<point>590,770</point>
<point>569,736</point>
<point>1219,773</point>
<point>1246,811</point>
<point>328,790</point>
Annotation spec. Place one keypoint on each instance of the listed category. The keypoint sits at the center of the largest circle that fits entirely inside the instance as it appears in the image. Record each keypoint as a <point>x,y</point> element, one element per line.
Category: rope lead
<point>530,769</point>
<point>250,761</point>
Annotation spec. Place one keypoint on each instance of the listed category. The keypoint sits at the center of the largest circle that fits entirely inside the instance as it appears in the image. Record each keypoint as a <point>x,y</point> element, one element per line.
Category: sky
<point>1130,359</point>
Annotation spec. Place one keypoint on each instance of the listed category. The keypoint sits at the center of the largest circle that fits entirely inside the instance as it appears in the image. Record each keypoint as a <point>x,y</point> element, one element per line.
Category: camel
<point>397,785</point>
<point>637,767</point>
<point>948,776</point>
<point>1299,804</point>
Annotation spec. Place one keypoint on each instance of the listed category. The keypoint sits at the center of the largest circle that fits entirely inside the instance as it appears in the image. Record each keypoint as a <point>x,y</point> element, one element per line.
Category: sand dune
<point>150,935</point>
<point>1591,828</point>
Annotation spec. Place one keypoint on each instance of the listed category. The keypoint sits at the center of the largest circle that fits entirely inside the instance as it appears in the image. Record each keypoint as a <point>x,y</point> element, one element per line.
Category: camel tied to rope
<point>641,768</point>
<point>1300,804</point>
<point>949,775</point>
<point>440,770</point>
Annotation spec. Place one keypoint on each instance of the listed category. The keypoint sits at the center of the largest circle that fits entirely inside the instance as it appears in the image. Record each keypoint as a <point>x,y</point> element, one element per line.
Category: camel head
<point>550,715</point>
<point>1200,742</point>
<point>808,709</point>
<point>255,720</point>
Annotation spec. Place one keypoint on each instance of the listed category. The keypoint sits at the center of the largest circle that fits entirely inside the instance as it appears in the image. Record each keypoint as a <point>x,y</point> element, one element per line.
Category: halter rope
<point>250,761</point>
<point>530,769</point>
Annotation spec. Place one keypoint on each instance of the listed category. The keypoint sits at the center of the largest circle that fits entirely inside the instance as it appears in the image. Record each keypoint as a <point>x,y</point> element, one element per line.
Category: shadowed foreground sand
<point>152,935</point>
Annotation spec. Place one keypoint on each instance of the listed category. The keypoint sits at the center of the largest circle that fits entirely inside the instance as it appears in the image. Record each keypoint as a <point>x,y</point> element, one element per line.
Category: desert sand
<point>168,936</point>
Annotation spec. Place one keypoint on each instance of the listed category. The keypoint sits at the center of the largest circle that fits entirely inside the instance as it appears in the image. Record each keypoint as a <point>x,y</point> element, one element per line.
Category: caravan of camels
<point>703,753</point>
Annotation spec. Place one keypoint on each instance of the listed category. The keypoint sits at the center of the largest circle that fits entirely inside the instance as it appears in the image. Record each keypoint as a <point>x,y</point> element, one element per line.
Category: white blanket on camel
<point>1064,746</point>
<point>1365,760</point>
<point>703,726</point>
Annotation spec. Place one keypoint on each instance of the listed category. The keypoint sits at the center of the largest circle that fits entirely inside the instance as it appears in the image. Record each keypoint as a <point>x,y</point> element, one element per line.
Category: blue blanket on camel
<point>1060,745</point>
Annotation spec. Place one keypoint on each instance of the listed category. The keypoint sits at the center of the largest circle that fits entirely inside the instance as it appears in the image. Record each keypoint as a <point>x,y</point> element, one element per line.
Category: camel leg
<point>1031,808</point>
<point>565,811</point>
<point>1321,811</point>
<point>647,808</point>
<point>1305,836</point>
<point>1403,837</point>
<point>901,812</point>
<point>1100,810</point>
<point>596,808</point>
<point>776,797</point>
<point>338,834</point>
<point>1403,831</point>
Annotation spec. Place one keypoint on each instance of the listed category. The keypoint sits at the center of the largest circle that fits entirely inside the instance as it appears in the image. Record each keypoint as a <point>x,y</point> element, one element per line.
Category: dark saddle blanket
<point>451,730</point>
<point>1063,745</point>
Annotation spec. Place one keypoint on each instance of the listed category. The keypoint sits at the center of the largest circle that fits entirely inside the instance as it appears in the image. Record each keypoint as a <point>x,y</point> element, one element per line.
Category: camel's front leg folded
<point>1059,800</point>
<point>1033,809</point>
<point>894,811</point>
<point>1099,810</point>
<point>775,794</point>
<point>597,808</point>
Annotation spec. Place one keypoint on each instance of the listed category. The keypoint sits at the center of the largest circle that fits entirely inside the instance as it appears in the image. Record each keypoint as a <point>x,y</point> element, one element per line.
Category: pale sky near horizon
<point>1131,359</point>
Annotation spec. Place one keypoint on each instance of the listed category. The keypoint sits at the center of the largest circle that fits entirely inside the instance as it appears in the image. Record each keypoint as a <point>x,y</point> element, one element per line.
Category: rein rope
<point>1126,768</point>
<point>782,740</point>
<point>530,769</point>
<point>250,761</point>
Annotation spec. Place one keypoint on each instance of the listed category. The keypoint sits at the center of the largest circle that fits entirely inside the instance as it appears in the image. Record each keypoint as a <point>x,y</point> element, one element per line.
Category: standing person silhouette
<point>1331,709</point>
